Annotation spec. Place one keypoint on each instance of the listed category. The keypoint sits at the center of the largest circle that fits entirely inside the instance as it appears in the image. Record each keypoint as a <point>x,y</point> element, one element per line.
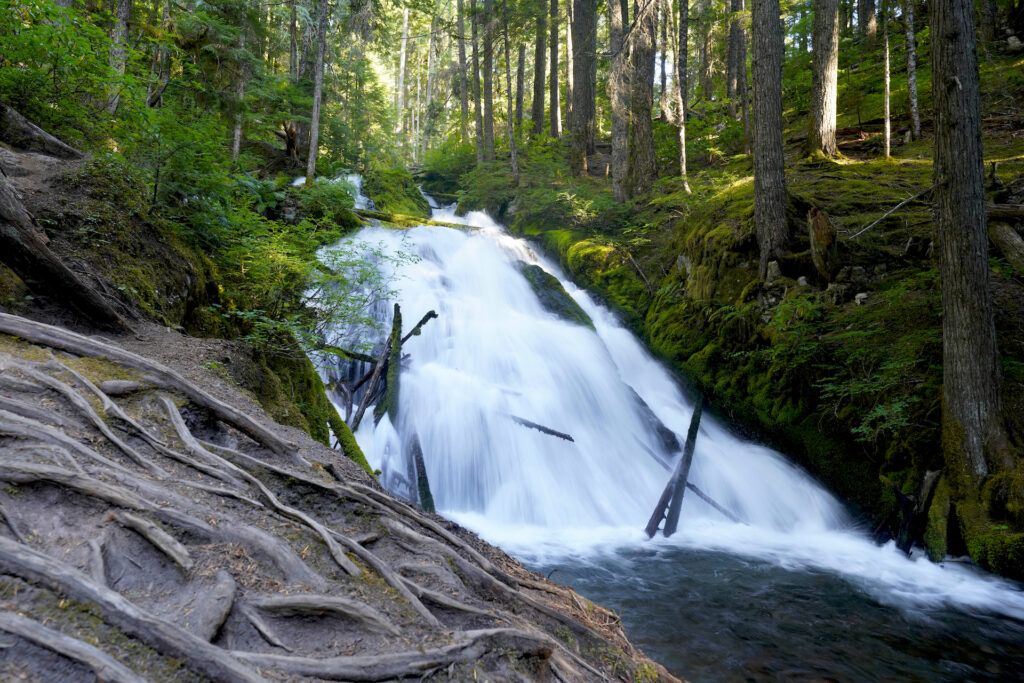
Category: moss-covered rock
<point>552,295</point>
<point>394,191</point>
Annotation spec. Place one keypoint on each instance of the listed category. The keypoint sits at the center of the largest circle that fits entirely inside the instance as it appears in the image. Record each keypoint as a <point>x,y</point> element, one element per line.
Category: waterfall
<point>496,359</point>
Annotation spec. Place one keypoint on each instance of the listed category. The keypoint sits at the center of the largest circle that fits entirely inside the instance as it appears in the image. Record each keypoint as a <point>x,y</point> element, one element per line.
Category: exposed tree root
<point>23,427</point>
<point>214,606</point>
<point>100,663</point>
<point>469,646</point>
<point>160,539</point>
<point>60,338</point>
<point>22,561</point>
<point>10,525</point>
<point>306,604</point>
<point>263,628</point>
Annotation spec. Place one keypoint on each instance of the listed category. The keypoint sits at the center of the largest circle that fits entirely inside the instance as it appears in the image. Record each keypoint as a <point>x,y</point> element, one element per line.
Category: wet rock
<point>861,298</point>
<point>553,296</point>
<point>774,272</point>
<point>801,281</point>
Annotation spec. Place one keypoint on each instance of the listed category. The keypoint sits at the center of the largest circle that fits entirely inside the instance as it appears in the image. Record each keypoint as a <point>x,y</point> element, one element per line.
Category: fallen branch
<point>368,393</point>
<point>416,328</point>
<point>672,497</point>
<point>20,560</point>
<point>540,428</point>
<point>710,501</point>
<point>105,667</point>
<point>890,212</point>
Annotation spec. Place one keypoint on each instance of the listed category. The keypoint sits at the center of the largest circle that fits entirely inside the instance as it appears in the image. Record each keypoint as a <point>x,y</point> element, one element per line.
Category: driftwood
<point>540,428</point>
<point>105,667</point>
<point>20,560</point>
<point>468,647</point>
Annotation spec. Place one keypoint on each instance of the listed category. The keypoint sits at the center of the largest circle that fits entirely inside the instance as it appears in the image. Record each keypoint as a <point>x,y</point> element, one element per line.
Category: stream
<point>796,592</point>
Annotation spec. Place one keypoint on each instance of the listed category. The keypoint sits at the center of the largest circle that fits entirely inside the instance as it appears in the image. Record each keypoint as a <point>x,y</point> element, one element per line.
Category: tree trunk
<point>732,65</point>
<point>682,79</point>
<point>570,56</point>
<point>293,43</point>
<point>972,428</point>
<point>520,87</point>
<point>554,94</point>
<point>741,83</point>
<point>318,90</point>
<point>513,156</point>
<point>867,22</point>
<point>707,55</point>
<point>477,100</point>
<point>908,20</point>
<point>428,114</point>
<point>643,164</point>
<point>886,78</point>
<point>400,84</point>
<point>463,80</point>
<point>23,249</point>
<point>618,94</point>
<point>119,51</point>
<point>821,137</point>
<point>769,168</point>
<point>581,114</point>
<point>539,69</point>
<point>989,14</point>
<point>663,93</point>
<point>488,80</point>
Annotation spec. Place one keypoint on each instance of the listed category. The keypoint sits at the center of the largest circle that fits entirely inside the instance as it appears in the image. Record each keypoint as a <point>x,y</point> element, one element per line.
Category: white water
<point>495,352</point>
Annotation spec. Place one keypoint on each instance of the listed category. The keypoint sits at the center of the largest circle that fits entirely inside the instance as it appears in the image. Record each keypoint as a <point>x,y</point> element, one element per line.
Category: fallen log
<point>672,497</point>
<point>422,483</point>
<point>389,402</point>
<point>541,428</point>
<point>20,133</point>
<point>1008,242</point>
<point>1005,212</point>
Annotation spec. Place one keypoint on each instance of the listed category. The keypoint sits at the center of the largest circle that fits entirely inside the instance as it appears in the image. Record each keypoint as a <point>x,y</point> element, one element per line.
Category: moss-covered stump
<point>552,295</point>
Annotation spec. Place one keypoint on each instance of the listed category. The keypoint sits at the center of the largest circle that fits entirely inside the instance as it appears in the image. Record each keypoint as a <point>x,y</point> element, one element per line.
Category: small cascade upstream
<point>497,359</point>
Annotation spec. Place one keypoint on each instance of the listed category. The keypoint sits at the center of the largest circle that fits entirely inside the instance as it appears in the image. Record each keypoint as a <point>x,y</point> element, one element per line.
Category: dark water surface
<point>712,616</point>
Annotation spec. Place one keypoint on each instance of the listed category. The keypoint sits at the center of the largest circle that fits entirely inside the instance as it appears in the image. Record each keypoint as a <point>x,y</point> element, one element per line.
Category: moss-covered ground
<point>845,376</point>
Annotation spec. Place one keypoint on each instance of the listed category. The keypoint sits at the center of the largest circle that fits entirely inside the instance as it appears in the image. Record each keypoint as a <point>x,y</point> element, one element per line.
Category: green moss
<point>347,441</point>
<point>394,191</point>
<point>936,533</point>
<point>552,295</point>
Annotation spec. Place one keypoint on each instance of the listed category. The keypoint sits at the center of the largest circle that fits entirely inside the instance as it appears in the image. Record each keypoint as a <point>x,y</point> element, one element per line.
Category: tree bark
<point>463,80</point>
<point>989,14</point>
<point>769,162</point>
<point>554,94</point>
<point>682,85</point>
<point>663,93</point>
<point>821,137</point>
<point>539,69</point>
<point>513,156</point>
<point>236,132</point>
<point>908,20</point>
<point>618,94</point>
<point>972,427</point>
<point>293,43</point>
<point>886,79</point>
<point>428,114</point>
<point>707,54</point>
<point>477,100</point>
<point>570,7</point>
<point>119,51</point>
<point>643,164</point>
<point>581,114</point>
<point>488,80</point>
<point>318,91</point>
<point>400,84</point>
<point>867,22</point>
<point>520,87</point>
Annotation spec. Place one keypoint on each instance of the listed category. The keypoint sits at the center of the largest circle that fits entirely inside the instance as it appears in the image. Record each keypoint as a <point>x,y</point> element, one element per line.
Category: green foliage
<point>328,201</point>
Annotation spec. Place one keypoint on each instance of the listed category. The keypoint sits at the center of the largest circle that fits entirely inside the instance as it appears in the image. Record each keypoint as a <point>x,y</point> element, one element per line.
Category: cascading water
<point>496,361</point>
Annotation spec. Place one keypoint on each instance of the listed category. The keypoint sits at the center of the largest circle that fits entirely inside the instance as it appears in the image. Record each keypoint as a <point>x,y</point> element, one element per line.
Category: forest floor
<point>158,524</point>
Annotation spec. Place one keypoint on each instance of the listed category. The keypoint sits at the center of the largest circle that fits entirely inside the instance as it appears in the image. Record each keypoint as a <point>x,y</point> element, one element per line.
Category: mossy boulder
<point>552,295</point>
<point>394,191</point>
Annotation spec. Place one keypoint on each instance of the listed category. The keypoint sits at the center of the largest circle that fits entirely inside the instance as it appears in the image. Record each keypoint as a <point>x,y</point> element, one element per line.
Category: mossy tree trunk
<point>682,84</point>
<point>973,434</point>
<point>618,92</point>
